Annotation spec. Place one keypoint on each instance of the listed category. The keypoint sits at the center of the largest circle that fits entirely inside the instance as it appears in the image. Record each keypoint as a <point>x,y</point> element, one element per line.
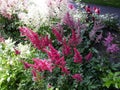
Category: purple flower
<point>113,48</point>
<point>108,40</point>
<point>68,20</point>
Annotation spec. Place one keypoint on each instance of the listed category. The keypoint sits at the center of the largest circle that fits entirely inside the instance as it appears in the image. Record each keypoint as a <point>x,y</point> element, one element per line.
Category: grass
<point>112,3</point>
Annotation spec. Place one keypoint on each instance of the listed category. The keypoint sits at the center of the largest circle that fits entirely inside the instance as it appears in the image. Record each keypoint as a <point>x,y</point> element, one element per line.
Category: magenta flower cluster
<point>56,59</point>
<point>108,42</point>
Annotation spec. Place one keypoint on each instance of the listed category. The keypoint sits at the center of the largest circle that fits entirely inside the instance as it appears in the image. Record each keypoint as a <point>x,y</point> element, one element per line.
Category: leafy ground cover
<point>113,3</point>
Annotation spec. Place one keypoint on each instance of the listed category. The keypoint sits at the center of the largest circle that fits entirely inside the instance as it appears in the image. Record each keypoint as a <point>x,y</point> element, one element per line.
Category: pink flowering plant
<point>64,56</point>
<point>70,60</point>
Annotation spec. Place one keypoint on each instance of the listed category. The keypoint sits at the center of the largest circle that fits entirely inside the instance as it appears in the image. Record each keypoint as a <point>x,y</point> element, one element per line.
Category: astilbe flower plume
<point>26,65</point>
<point>34,73</point>
<point>61,62</point>
<point>65,70</point>
<point>74,40</point>
<point>66,49</point>
<point>113,48</point>
<point>38,42</point>
<point>57,34</point>
<point>77,56</point>
<point>42,65</point>
<point>52,53</point>
<point>78,77</point>
<point>88,56</point>
<point>68,20</point>
<point>108,40</point>
<point>56,59</point>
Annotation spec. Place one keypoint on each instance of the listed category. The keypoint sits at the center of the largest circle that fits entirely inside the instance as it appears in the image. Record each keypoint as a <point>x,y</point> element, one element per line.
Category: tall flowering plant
<point>71,61</point>
<point>68,57</point>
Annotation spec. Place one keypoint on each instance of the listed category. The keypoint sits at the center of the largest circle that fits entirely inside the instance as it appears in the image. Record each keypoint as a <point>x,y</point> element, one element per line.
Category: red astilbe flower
<point>65,70</point>
<point>77,56</point>
<point>77,77</point>
<point>32,36</point>
<point>42,65</point>
<point>26,65</point>
<point>57,34</point>
<point>88,56</point>
<point>61,62</point>
<point>44,41</point>
<point>52,53</point>
<point>66,50</point>
<point>54,56</point>
<point>39,43</point>
<point>96,10</point>
<point>34,73</point>
<point>74,40</point>
<point>88,9</point>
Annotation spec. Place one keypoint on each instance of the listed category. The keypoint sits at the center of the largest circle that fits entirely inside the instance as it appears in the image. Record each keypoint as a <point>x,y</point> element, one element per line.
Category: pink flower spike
<point>65,70</point>
<point>38,42</point>
<point>34,73</point>
<point>108,40</point>
<point>88,56</point>
<point>26,65</point>
<point>66,50</point>
<point>74,40</point>
<point>77,77</point>
<point>57,34</point>
<point>61,61</point>
<point>77,56</point>
<point>42,65</point>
